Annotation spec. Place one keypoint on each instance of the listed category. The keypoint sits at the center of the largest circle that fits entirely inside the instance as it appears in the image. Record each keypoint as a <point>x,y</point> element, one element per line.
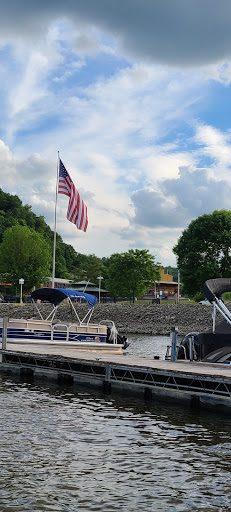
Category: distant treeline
<point>69,263</point>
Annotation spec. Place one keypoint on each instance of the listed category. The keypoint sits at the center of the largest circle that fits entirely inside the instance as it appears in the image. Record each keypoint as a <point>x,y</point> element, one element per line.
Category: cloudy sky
<point>136,97</point>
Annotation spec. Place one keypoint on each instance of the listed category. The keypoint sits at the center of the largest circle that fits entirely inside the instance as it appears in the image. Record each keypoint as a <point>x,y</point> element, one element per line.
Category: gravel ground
<point>139,319</point>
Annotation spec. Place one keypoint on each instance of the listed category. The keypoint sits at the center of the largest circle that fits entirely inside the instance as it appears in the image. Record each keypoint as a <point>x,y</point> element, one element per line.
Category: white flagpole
<point>54,245</point>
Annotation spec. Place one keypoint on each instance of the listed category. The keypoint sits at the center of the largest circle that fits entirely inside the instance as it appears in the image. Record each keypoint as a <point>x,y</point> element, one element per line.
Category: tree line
<point>203,252</point>
<point>26,246</point>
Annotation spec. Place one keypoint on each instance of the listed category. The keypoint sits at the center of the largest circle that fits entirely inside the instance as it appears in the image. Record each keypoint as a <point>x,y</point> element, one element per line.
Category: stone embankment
<point>141,319</point>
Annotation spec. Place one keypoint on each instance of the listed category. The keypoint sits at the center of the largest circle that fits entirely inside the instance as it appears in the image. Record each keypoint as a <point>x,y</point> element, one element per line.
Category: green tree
<point>72,258</point>
<point>131,273</point>
<point>94,267</point>
<point>13,212</point>
<point>25,253</point>
<point>88,267</point>
<point>204,250</point>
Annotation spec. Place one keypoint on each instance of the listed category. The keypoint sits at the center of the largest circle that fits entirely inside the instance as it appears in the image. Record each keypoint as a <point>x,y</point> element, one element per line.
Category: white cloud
<point>69,71</point>
<point>181,199</point>
<point>29,89</point>
<point>99,85</point>
<point>153,209</point>
<point>216,145</point>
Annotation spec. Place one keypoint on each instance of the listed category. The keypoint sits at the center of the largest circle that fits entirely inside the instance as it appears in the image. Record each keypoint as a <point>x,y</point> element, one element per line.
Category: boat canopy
<point>57,295</point>
<point>213,288</point>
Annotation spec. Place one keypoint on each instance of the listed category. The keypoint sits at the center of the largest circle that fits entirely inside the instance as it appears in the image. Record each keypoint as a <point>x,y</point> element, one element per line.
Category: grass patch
<point>163,302</point>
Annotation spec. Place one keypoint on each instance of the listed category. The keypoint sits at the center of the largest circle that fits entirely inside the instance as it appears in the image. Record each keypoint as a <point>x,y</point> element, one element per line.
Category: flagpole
<point>54,244</point>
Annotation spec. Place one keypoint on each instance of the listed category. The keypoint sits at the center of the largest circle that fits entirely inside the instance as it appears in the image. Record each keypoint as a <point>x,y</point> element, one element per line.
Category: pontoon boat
<point>80,334</point>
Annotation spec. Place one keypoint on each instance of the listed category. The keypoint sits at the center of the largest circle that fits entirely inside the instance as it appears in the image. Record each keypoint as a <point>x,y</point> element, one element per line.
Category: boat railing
<point>184,350</point>
<point>168,353</point>
<point>173,349</point>
<point>192,351</point>
<point>169,356</point>
<point>34,324</point>
<point>30,324</point>
<point>57,326</point>
<point>113,331</point>
<point>221,307</point>
<point>86,328</point>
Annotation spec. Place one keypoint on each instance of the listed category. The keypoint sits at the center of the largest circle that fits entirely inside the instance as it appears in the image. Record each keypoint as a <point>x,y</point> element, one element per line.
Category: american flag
<point>77,210</point>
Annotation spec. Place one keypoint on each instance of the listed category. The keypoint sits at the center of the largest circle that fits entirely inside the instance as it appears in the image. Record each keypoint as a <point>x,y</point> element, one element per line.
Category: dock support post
<point>174,331</point>
<point>148,394</point>
<point>195,403</point>
<point>65,379</point>
<point>27,374</point>
<point>4,332</point>
<point>107,380</point>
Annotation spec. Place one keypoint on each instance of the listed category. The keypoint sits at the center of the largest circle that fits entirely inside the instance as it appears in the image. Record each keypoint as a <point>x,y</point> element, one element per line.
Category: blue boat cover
<point>57,295</point>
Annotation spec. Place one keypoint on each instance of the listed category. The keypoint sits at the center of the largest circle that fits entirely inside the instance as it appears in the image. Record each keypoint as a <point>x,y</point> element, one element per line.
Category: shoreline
<point>152,319</point>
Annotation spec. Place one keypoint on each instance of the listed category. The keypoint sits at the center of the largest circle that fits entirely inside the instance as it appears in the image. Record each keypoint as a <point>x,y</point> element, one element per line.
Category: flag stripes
<point>77,210</point>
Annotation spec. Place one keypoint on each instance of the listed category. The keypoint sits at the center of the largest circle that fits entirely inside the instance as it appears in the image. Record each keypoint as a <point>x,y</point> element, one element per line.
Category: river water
<point>147,346</point>
<point>81,450</point>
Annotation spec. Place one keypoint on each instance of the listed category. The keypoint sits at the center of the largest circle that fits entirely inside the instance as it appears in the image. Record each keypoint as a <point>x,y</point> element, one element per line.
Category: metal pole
<point>4,332</point>
<point>178,288</point>
<point>214,318</point>
<point>100,279</point>
<point>21,282</point>
<point>54,242</point>
<point>174,331</point>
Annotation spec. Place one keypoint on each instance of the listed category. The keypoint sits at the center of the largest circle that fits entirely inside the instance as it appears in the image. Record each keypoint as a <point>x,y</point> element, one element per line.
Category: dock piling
<point>4,332</point>
<point>107,380</point>
<point>199,385</point>
<point>174,331</point>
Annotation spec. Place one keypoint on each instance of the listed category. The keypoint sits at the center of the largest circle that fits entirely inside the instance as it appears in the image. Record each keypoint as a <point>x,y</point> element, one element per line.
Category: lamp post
<point>21,282</point>
<point>100,279</point>
<point>178,287</point>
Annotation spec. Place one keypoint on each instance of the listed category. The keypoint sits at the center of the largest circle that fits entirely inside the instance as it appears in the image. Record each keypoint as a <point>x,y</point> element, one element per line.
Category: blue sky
<point>136,97</point>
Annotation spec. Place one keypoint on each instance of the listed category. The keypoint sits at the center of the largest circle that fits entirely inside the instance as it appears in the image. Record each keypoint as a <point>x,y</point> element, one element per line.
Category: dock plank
<point>186,367</point>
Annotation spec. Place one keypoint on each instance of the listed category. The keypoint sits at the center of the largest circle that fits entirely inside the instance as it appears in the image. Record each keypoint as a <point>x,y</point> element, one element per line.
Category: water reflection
<point>69,451</point>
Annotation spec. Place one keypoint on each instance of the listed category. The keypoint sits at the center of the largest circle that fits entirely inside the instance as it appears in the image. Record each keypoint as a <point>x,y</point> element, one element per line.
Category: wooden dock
<point>197,384</point>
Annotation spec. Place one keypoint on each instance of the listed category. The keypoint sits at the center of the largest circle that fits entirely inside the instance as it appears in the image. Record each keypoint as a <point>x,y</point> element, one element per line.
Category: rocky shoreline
<point>135,319</point>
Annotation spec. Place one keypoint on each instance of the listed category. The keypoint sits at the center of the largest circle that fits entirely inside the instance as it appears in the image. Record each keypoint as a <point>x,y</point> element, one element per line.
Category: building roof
<point>60,280</point>
<point>167,282</point>
<point>87,286</point>
<point>83,282</point>
<point>93,288</point>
